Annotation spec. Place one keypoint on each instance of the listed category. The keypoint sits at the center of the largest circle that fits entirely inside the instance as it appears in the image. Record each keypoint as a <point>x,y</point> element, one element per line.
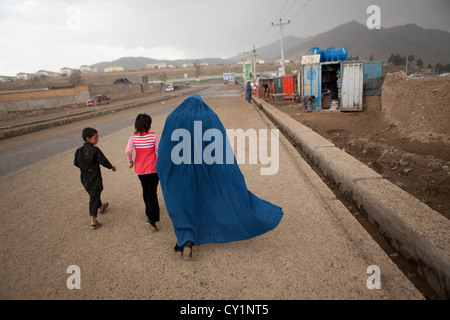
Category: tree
<point>75,78</point>
<point>197,67</point>
<point>371,58</point>
<point>396,60</point>
<point>442,68</point>
<point>419,63</point>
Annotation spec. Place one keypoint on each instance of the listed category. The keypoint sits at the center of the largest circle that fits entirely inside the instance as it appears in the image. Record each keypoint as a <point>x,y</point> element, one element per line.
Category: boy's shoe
<point>105,206</point>
<point>95,226</point>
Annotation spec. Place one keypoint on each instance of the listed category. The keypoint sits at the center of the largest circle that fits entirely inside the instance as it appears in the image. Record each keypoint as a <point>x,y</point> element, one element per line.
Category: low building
<point>7,78</point>
<point>250,61</point>
<point>25,76</point>
<point>156,66</point>
<point>286,61</point>
<point>50,74</point>
<point>67,71</point>
<point>87,69</point>
<point>113,68</point>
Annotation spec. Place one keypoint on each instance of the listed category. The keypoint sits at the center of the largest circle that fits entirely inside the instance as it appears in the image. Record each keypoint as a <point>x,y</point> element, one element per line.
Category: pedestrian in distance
<point>146,145</point>
<point>248,92</point>
<point>88,159</point>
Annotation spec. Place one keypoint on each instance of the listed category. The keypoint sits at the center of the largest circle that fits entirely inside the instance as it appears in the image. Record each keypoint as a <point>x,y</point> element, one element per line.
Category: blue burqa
<point>204,190</point>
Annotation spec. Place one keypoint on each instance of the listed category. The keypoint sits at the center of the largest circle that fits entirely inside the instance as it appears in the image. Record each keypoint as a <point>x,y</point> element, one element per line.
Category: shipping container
<point>279,84</point>
<point>288,86</point>
<point>312,81</point>
<point>331,82</point>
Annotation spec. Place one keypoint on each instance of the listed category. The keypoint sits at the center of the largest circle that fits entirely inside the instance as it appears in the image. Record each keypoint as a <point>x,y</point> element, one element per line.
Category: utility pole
<point>407,65</point>
<point>254,63</point>
<point>283,70</point>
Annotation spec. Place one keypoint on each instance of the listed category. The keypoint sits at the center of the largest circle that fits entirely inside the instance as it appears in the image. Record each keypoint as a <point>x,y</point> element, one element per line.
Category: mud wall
<point>419,105</point>
<point>117,91</point>
<point>42,99</point>
<point>56,98</point>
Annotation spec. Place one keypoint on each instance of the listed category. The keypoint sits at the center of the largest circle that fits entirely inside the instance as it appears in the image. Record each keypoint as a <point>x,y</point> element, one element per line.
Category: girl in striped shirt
<point>146,145</point>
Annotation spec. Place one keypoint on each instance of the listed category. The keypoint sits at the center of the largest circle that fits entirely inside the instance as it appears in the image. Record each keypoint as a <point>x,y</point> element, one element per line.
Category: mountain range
<point>430,45</point>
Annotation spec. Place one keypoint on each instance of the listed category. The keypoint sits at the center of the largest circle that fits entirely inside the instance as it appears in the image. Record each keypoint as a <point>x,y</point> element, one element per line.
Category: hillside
<point>272,52</point>
<point>432,46</point>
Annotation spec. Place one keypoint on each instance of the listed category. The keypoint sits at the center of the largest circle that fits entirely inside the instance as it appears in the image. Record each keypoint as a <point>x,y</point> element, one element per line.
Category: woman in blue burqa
<point>204,190</point>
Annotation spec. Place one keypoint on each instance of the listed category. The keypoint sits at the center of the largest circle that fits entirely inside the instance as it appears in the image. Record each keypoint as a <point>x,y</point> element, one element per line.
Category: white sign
<point>315,58</point>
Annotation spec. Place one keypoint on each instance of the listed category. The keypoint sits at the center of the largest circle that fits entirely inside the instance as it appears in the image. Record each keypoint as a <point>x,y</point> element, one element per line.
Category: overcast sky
<point>51,34</point>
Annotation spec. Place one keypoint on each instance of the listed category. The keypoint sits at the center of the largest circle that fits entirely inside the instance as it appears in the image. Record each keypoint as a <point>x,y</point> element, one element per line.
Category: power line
<point>278,14</point>
<point>289,9</point>
<point>301,9</point>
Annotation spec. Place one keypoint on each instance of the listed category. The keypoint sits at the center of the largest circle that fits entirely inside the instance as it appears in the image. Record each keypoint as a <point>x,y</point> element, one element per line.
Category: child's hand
<point>113,168</point>
<point>131,164</point>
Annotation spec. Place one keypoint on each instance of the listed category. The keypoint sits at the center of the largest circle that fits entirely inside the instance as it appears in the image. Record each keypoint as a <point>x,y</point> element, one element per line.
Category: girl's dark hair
<point>142,124</point>
<point>88,133</point>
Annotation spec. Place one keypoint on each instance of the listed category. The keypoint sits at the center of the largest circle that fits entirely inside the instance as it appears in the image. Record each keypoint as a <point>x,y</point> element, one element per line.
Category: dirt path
<point>420,168</point>
<point>318,251</point>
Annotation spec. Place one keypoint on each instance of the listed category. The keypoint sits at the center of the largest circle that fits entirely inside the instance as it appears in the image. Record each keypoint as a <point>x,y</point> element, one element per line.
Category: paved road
<point>319,250</point>
<point>20,152</point>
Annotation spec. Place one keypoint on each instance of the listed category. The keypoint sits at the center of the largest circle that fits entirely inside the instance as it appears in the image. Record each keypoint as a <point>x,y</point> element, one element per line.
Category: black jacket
<point>88,158</point>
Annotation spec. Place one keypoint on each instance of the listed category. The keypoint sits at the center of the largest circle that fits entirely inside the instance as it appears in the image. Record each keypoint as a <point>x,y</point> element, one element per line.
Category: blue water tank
<point>336,54</point>
<point>316,51</point>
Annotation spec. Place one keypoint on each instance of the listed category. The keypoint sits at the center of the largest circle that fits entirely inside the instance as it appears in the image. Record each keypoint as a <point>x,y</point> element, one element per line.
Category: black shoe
<point>188,247</point>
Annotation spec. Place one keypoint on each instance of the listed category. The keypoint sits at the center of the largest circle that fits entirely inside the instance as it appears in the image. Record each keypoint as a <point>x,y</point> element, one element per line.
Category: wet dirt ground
<point>419,168</point>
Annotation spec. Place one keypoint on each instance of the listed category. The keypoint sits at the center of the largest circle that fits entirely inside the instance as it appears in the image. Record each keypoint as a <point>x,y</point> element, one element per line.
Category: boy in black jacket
<point>88,158</point>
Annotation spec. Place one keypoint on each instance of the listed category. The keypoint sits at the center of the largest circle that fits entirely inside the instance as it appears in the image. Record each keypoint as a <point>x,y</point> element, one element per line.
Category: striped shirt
<point>146,146</point>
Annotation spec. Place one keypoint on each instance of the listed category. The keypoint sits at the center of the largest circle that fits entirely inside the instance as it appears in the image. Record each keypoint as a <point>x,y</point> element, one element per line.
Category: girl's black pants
<point>149,184</point>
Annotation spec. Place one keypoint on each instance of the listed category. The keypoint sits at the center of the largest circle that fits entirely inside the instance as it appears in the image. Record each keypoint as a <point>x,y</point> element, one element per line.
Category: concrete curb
<point>419,233</point>
<point>37,125</point>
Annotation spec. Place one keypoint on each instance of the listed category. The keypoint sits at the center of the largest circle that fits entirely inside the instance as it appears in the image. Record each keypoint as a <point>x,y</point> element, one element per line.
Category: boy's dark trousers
<point>94,204</point>
<point>149,184</point>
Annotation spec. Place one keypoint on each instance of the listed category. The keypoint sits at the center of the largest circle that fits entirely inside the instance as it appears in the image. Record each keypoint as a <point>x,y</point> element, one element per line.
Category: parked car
<point>169,87</point>
<point>122,80</point>
<point>99,99</point>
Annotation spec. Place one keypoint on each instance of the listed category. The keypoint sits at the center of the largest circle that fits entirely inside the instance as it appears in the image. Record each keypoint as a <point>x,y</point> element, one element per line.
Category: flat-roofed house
<point>87,69</point>
<point>113,68</point>
<point>156,66</point>
<point>67,71</point>
<point>50,74</point>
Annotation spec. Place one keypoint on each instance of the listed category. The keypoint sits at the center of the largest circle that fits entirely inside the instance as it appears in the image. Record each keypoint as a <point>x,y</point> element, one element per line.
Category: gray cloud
<point>51,34</point>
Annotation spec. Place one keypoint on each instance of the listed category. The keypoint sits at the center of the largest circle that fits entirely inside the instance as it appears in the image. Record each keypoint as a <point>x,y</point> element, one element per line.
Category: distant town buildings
<point>155,66</point>
<point>87,69</point>
<point>25,76</point>
<point>67,71</point>
<point>250,61</point>
<point>286,61</point>
<point>113,68</point>
<point>50,74</point>
<point>7,78</point>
